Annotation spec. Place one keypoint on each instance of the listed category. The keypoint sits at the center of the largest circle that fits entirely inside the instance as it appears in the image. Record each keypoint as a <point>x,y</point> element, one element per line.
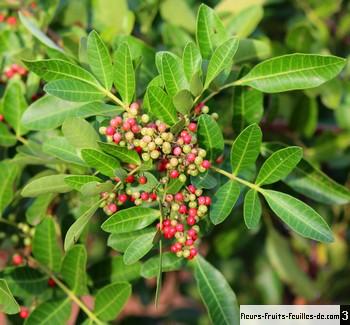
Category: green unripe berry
<point>192,197</point>
<point>201,169</point>
<point>151,146</point>
<point>182,178</point>
<point>215,116</point>
<point>199,192</point>
<point>186,148</point>
<point>102,130</point>
<point>110,139</point>
<point>143,131</point>
<point>150,132</point>
<point>14,239</point>
<point>203,209</point>
<point>170,137</point>
<point>136,143</point>
<point>174,162</point>
<point>128,191</point>
<point>138,202</point>
<point>181,239</point>
<point>145,118</point>
<point>198,160</point>
<point>129,135</point>
<point>164,136</point>
<point>155,154</point>
<point>185,253</point>
<point>166,147</point>
<point>146,156</point>
<point>175,207</point>
<point>32,232</point>
<point>205,109</point>
<point>27,241</point>
<point>196,228</point>
<point>158,141</point>
<point>202,153</point>
<point>179,254</point>
<point>122,143</point>
<point>192,204</point>
<point>194,172</point>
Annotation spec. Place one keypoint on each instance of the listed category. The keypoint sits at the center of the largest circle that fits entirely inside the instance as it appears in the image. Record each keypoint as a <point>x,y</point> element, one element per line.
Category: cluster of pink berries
<point>185,209</point>
<point>14,70</point>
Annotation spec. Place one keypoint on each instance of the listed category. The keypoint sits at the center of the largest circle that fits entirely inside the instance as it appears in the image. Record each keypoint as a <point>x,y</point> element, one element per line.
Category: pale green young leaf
<point>73,90</point>
<point>99,59</point>
<point>120,242</point>
<point>161,105</point>
<point>279,165</point>
<point>124,73</point>
<point>46,184</point>
<point>223,201</point>
<point>196,84</point>
<point>221,59</point>
<point>210,136</point>
<point>102,162</point>
<point>183,101</point>
<point>191,60</point>
<point>246,148</point>
<point>111,299</point>
<point>78,181</point>
<point>122,153</point>
<point>170,262</point>
<point>73,269</point>
<point>298,216</point>
<point>293,71</point>
<point>46,248</point>
<point>38,209</point>
<point>9,173</point>
<point>8,304</point>
<point>138,248</point>
<point>94,188</point>
<point>252,209</point>
<point>216,293</point>
<point>130,219</point>
<point>252,49</point>
<point>172,71</point>
<point>79,133</point>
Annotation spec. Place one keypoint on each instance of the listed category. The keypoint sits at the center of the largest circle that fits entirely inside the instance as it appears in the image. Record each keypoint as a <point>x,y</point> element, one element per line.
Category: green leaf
<point>210,31</point>
<point>78,226</point>
<point>130,219</point>
<point>7,139</point>
<point>79,133</point>
<point>78,181</point>
<point>252,209</point>
<point>8,304</point>
<point>223,201</point>
<point>46,184</point>
<point>95,188</point>
<point>122,153</point>
<point>204,180</point>
<point>9,174</point>
<point>245,150</point>
<point>191,60</point>
<point>102,162</point>
<point>170,262</point>
<point>45,245</point>
<point>173,74</point>
<point>60,148</point>
<point>161,105</point>
<point>120,242</point>
<point>216,293</point>
<point>51,313</point>
<point>38,209</point>
<point>183,101</point>
<point>124,73</point>
<point>174,186</point>
<point>293,71</point>
<point>247,107</point>
<point>221,59</point>
<point>99,59</point>
<point>14,104</point>
<point>279,165</point>
<point>286,266</point>
<point>121,272</point>
<point>73,269</point>
<point>298,216</point>
<point>111,299</point>
<point>73,90</point>
<point>138,248</point>
<point>40,115</point>
<point>210,136</point>
<point>196,84</point>
<point>252,49</point>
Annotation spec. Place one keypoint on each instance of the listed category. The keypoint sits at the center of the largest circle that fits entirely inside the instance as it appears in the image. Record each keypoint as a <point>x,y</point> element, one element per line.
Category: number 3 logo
<point>345,315</point>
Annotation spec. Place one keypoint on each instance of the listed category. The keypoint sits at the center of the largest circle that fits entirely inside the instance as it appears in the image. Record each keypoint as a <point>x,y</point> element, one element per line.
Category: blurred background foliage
<point>264,266</point>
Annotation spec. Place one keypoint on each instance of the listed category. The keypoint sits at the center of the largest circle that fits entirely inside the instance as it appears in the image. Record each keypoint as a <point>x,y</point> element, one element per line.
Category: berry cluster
<point>9,20</point>
<point>184,210</point>
<point>14,70</point>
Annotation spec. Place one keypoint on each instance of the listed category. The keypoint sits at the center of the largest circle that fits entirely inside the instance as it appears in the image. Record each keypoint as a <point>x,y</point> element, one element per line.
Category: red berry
<point>220,159</point>
<point>153,196</point>
<point>130,179</point>
<point>173,248</point>
<point>191,220</point>
<point>138,150</point>
<point>17,259</point>
<point>193,252</point>
<point>162,165</point>
<point>201,200</point>
<point>179,197</point>
<point>122,198</point>
<point>166,222</point>
<point>144,196</point>
<point>192,233</point>
<point>174,174</point>
<point>9,73</point>
<point>143,180</point>
<point>2,18</point>
<point>206,164</point>
<point>24,312</point>
<point>131,121</point>
<point>180,227</point>
<point>169,198</point>
<point>191,157</point>
<point>51,283</point>
<point>192,188</point>
<point>187,138</point>
<point>183,133</point>
<point>207,200</point>
<point>132,199</point>
<point>182,209</point>
<point>192,212</point>
<point>126,126</point>
<point>22,71</point>
<point>110,130</point>
<point>192,127</point>
<point>1,117</point>
<point>189,242</point>
<point>135,129</point>
<point>11,20</point>
<point>117,137</point>
<point>112,207</point>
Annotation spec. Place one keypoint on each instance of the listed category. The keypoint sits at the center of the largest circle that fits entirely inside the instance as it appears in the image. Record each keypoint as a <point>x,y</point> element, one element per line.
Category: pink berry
<point>207,200</point>
<point>161,127</point>
<point>192,127</point>
<point>166,222</point>
<point>192,212</point>
<point>113,123</point>
<point>173,248</point>
<point>179,197</point>
<point>187,139</point>
<point>201,200</point>
<point>189,242</point>
<point>182,209</point>
<point>191,157</point>
<point>131,121</point>
<point>177,151</point>
<point>24,312</point>
<point>112,207</point>
<point>206,164</point>
<point>183,133</point>
<point>144,196</point>
<point>193,252</point>
<point>117,137</point>
<point>119,120</point>
<point>192,188</point>
<point>1,117</point>
<point>153,196</point>
<point>9,73</point>
<point>180,227</point>
<point>135,128</point>
<point>174,174</point>
<point>169,198</point>
<point>22,71</point>
<point>110,130</point>
<point>142,179</point>
<point>126,126</point>
<point>11,20</point>
<point>191,220</point>
<point>122,198</point>
<point>135,105</point>
<point>192,233</point>
<point>17,259</point>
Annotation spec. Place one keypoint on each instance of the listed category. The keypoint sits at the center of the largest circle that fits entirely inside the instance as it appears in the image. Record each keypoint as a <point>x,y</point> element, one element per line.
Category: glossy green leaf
<point>292,71</point>
<point>298,216</point>
<point>46,184</point>
<point>50,112</point>
<point>78,226</point>
<point>216,293</point>
<point>53,312</point>
<point>111,299</point>
<point>210,136</point>
<point>121,272</point>
<point>246,148</point>
<point>102,162</point>
<point>161,105</point>
<point>7,138</point>
<point>38,209</point>
<point>78,181</point>
<point>122,153</point>
<point>96,187</point>
<point>8,304</point>
<point>252,49</point>
<point>183,101</point>
<point>247,107</point>
<point>252,209</point>
<point>130,219</point>
<point>221,59</point>
<point>223,201</point>
<point>124,74</point>
<point>210,31</point>
<point>172,71</point>
<point>170,262</point>
<point>204,180</point>
<point>138,248</point>
<point>73,269</point>
<point>120,242</point>
<point>45,247</point>
<point>80,134</point>
<point>73,90</point>
<point>191,60</point>
<point>279,165</point>
<point>99,59</point>
<point>9,173</point>
<point>196,84</point>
